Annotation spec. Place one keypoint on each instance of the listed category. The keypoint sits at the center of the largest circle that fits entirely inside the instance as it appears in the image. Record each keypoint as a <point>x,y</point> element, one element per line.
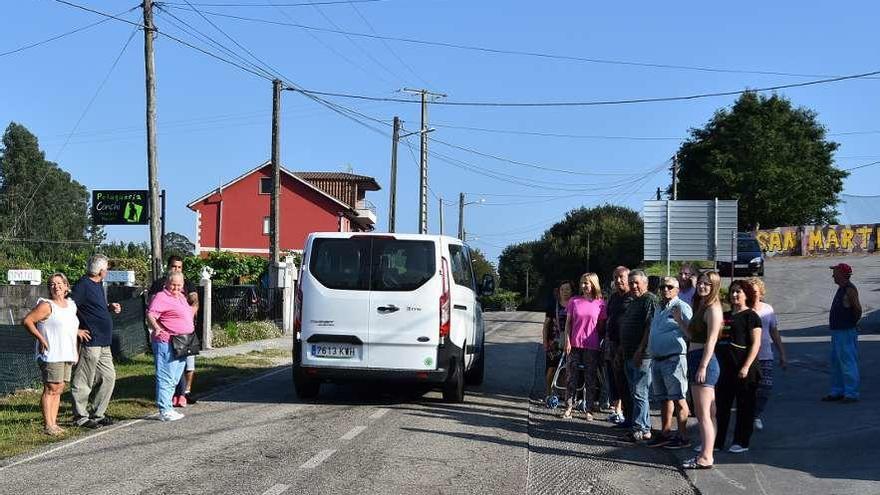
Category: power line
<point>62,35</point>
<point>861,166</point>
<point>628,101</point>
<point>294,4</point>
<point>551,56</point>
<point>558,135</point>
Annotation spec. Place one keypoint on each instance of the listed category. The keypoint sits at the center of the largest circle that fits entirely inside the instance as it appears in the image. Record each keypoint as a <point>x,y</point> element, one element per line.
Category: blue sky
<point>214,119</point>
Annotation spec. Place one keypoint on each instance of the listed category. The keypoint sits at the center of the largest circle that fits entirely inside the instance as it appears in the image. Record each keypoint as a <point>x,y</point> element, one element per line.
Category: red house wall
<point>303,210</point>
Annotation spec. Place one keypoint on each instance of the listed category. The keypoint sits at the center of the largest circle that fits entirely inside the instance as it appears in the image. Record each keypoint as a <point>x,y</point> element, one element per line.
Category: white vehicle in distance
<point>395,307</point>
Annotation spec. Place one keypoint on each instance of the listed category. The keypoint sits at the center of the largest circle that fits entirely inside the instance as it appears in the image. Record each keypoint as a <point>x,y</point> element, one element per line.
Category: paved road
<point>258,439</point>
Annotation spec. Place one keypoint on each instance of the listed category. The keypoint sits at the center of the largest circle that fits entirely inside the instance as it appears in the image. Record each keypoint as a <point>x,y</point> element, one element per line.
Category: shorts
<point>190,363</point>
<point>57,372</point>
<point>713,371</point>
<point>669,380</point>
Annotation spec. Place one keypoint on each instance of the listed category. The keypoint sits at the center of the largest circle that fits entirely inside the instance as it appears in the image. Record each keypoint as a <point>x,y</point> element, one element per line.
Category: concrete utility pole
<point>461,217</point>
<point>152,158</point>
<point>675,177</point>
<point>423,160</point>
<point>441,215</point>
<point>392,192</point>
<point>275,201</point>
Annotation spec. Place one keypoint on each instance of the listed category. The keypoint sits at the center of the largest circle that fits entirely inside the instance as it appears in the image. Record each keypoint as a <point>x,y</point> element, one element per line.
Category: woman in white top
<point>54,324</point>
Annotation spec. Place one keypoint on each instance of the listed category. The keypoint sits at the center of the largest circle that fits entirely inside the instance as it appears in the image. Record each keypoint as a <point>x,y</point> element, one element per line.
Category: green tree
<point>590,240</point>
<point>772,157</point>
<point>39,200</point>
<point>513,264</point>
<point>481,265</point>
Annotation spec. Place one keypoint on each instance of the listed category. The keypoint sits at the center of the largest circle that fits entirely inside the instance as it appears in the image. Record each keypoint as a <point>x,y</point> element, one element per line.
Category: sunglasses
<point>669,287</point>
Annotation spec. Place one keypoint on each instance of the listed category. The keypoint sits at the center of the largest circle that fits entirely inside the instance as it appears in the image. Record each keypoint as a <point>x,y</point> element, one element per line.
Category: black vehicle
<point>749,257</point>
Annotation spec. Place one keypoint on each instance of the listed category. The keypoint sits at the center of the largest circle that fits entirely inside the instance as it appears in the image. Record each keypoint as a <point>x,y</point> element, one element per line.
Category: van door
<point>463,300</point>
<point>336,302</point>
<point>404,304</point>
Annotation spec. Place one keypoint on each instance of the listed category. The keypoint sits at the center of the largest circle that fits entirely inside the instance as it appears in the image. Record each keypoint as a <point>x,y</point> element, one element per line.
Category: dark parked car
<point>749,257</point>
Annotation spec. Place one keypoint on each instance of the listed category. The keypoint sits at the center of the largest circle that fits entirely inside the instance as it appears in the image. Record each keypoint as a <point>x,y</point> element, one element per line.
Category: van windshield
<point>372,263</point>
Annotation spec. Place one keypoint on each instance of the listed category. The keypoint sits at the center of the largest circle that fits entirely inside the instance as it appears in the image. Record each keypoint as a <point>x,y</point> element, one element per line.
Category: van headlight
<point>756,261</point>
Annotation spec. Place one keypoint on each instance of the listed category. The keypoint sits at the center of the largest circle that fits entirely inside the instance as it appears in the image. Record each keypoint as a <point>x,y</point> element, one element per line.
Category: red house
<point>235,216</point>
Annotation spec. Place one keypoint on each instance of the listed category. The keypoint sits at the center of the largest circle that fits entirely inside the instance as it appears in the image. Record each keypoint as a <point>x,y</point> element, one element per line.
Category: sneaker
<point>639,436</point>
<point>737,449</point>
<point>189,399</point>
<point>678,443</point>
<point>90,424</point>
<point>170,415</point>
<point>659,441</point>
<point>759,424</point>
<point>106,421</point>
<point>832,398</point>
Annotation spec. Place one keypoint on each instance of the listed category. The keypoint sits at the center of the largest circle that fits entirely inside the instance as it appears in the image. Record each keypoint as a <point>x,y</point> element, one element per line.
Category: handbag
<point>186,345</point>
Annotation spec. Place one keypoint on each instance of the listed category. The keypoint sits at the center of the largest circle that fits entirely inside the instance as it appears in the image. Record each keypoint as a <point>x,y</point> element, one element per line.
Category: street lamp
<point>461,205</point>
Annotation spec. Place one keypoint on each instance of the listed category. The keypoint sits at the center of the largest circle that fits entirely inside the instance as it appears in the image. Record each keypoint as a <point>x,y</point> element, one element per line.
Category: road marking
<point>379,413</point>
<point>357,430</point>
<point>277,489</point>
<point>71,444</point>
<point>732,482</point>
<point>318,459</point>
<point>285,369</point>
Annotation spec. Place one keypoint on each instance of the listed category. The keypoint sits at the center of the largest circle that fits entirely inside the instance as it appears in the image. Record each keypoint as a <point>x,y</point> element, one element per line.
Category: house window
<point>265,225</point>
<point>265,185</point>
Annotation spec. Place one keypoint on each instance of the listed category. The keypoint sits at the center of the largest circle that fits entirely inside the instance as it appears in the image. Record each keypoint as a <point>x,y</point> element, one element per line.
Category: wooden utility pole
<point>423,160</point>
<point>392,193</point>
<point>152,158</point>
<point>275,202</point>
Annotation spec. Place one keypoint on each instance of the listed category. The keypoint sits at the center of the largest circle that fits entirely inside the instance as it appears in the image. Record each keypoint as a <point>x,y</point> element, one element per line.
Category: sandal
<point>567,413</point>
<point>55,431</point>
<point>694,464</point>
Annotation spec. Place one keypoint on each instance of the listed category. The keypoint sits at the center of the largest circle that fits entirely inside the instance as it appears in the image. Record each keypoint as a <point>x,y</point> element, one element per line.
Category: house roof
<point>371,184</point>
<point>299,177</point>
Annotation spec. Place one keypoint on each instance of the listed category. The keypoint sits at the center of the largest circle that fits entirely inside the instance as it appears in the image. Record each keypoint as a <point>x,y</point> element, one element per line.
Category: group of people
<point>73,329</point>
<point>680,347</point>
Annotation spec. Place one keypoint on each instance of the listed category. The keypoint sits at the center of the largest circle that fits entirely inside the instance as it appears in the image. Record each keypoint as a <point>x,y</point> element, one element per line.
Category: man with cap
<point>846,310</point>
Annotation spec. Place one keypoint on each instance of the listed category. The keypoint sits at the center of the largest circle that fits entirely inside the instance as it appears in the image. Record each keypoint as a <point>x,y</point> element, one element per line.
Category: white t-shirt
<point>768,320</point>
<point>59,330</point>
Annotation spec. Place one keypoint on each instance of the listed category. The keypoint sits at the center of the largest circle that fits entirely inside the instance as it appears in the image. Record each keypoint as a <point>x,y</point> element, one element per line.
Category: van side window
<point>402,265</point>
<point>462,271</point>
<point>341,263</point>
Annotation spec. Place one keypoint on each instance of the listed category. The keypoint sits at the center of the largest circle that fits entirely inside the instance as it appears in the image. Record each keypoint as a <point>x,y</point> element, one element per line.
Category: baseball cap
<point>843,268</point>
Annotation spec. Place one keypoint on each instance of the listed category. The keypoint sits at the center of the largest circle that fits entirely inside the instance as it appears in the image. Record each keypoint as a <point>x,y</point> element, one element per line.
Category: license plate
<point>336,351</point>
<point>742,265</point>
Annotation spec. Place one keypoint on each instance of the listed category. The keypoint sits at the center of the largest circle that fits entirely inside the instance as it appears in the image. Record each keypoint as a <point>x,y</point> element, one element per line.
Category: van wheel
<point>475,375</point>
<point>453,388</point>
<point>306,388</point>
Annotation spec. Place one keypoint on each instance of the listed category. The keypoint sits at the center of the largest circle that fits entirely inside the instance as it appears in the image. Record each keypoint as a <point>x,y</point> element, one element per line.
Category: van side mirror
<point>487,287</point>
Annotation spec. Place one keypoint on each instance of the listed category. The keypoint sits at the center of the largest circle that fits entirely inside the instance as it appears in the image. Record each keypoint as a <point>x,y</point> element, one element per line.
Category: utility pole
<point>441,215</point>
<point>461,217</point>
<point>152,158</point>
<point>275,200</point>
<point>423,160</point>
<point>675,177</point>
<point>527,283</point>
<point>392,193</point>
<point>658,194</point>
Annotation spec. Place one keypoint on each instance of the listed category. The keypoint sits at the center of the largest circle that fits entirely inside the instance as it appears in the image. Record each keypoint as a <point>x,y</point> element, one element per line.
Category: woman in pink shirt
<point>169,314</point>
<point>586,319</point>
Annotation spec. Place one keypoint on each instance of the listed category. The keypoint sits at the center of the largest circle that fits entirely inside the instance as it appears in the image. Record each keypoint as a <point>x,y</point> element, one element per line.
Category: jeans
<point>639,379</point>
<point>845,363</point>
<point>168,371</point>
<point>92,384</point>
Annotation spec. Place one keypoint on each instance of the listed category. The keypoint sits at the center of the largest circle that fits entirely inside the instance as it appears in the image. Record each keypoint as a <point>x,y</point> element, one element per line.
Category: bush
<point>229,268</point>
<point>501,300</point>
<point>236,332</point>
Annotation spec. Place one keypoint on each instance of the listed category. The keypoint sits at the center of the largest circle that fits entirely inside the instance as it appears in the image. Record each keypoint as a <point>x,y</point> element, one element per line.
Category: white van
<point>388,307</point>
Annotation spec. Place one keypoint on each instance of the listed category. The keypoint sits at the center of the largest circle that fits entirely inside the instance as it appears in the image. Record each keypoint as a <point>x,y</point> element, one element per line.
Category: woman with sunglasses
<point>703,331</point>
<point>738,357</point>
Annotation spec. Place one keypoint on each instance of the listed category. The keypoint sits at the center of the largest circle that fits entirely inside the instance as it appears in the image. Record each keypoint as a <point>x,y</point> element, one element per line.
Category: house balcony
<point>365,213</point>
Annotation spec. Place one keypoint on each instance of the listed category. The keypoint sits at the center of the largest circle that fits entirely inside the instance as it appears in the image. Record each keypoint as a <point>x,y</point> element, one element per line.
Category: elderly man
<point>94,375</point>
<point>846,311</point>
<point>668,348</point>
<point>635,326</point>
<point>616,376</point>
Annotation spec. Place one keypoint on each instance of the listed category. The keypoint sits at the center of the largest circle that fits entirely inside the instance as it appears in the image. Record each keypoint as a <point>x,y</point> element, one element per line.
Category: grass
<point>236,332</point>
<point>21,422</point>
